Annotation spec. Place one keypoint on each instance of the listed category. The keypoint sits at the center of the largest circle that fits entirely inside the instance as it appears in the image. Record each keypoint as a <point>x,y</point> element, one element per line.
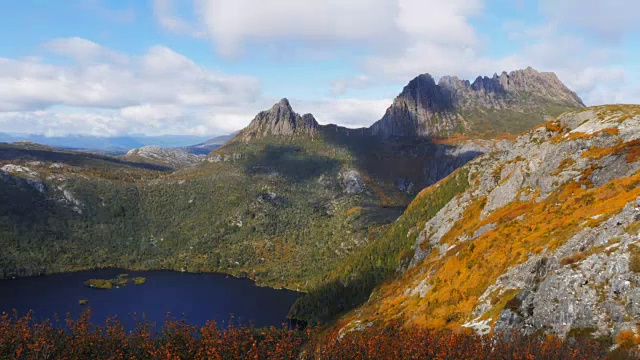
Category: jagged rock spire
<point>280,120</point>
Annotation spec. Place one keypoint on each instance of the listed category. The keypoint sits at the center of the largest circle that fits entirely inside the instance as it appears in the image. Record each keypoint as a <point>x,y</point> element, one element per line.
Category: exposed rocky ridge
<point>280,120</point>
<point>545,238</point>
<point>507,103</point>
<point>163,156</point>
<point>454,106</point>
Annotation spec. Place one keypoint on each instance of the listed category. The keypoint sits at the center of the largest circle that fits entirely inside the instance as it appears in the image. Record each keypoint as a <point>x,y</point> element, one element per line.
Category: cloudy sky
<point>205,67</point>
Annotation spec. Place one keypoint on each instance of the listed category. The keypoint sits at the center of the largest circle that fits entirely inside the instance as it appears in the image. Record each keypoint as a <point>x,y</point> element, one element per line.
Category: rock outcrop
<point>506,103</point>
<point>163,156</point>
<point>279,121</point>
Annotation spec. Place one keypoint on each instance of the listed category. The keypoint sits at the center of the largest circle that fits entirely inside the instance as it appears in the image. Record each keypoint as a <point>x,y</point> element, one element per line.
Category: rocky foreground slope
<point>545,237</point>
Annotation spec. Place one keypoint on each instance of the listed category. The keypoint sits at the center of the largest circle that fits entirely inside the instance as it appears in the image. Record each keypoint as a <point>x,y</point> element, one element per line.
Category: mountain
<point>173,158</point>
<point>506,103</point>
<point>542,236</point>
<point>116,144</point>
<point>280,120</point>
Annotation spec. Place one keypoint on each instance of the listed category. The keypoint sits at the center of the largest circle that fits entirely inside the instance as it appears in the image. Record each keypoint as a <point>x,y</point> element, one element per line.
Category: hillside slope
<point>544,238</point>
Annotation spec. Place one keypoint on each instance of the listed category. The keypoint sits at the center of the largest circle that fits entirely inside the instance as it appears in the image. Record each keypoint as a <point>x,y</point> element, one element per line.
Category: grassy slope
<point>492,123</point>
<point>352,282</point>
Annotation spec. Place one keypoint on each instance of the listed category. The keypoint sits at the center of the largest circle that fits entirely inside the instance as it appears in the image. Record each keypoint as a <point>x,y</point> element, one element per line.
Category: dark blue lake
<point>196,297</point>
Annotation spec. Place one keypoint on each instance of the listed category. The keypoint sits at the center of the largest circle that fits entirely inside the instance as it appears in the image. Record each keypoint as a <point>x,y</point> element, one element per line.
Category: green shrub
<point>99,284</point>
<point>634,260</point>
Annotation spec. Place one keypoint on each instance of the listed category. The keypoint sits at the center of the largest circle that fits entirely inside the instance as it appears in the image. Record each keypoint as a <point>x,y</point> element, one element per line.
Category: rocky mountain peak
<point>284,102</point>
<point>453,105</point>
<point>282,107</point>
<point>452,82</point>
<point>280,120</point>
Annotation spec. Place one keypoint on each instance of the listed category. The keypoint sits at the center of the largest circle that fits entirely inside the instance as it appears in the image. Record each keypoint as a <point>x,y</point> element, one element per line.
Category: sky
<point>206,67</point>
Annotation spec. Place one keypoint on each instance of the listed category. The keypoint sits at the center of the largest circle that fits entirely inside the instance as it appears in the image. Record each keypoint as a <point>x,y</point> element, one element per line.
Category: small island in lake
<point>83,302</point>
<point>121,280</point>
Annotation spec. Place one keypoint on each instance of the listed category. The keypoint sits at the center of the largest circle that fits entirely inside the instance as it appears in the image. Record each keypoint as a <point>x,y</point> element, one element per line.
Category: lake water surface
<point>197,297</point>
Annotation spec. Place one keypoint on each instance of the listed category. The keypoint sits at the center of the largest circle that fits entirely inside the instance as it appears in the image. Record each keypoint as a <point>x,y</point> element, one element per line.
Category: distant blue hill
<point>109,144</point>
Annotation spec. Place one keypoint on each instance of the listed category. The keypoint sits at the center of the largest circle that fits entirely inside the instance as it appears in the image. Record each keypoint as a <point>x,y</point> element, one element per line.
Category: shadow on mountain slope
<point>400,161</point>
<point>292,162</point>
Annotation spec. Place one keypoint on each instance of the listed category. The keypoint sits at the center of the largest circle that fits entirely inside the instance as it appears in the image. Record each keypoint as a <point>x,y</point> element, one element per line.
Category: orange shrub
<point>21,338</point>
<point>626,338</point>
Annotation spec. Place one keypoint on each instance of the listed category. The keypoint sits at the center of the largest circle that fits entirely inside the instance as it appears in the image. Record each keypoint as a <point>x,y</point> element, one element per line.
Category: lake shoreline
<point>198,296</point>
<point>134,268</point>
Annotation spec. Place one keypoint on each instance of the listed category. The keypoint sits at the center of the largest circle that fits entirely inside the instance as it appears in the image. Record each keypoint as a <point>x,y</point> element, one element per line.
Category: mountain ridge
<point>509,103</point>
<point>425,108</point>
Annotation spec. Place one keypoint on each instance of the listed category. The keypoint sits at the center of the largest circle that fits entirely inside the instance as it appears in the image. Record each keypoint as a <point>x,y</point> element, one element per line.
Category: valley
<point>498,205</point>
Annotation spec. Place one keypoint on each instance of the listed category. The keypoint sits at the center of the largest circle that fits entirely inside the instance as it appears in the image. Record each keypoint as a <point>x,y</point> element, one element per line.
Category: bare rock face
<point>489,104</point>
<point>352,182</point>
<point>170,157</point>
<point>280,120</point>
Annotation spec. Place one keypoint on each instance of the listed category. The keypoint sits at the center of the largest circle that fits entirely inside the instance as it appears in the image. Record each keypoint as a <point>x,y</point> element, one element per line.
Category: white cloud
<point>590,70</point>
<point>611,19</point>
<point>83,50</point>
<point>441,22</point>
<point>172,119</point>
<point>98,91</point>
<point>339,86</point>
<point>349,112</point>
<point>403,37</point>
<point>100,77</point>
<point>233,24</point>
<point>384,25</point>
<point>104,91</point>
<point>143,119</point>
<point>449,45</point>
<point>387,41</point>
